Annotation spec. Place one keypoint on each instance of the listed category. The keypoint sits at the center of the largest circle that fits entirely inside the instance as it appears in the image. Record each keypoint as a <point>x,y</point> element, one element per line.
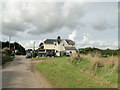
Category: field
<point>80,71</point>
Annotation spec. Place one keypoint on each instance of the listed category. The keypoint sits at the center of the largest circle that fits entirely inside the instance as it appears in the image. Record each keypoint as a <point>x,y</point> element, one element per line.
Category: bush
<point>6,51</point>
<point>6,56</point>
<point>104,56</point>
<point>63,53</point>
<point>75,58</point>
<point>97,65</point>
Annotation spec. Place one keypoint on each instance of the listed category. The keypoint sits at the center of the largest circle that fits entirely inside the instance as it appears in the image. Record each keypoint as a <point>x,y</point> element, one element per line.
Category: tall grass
<point>81,71</point>
<point>96,60</point>
<point>106,68</point>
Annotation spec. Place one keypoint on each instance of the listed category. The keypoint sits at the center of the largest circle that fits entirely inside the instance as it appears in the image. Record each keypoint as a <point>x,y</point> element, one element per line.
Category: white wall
<point>59,47</point>
<point>49,46</point>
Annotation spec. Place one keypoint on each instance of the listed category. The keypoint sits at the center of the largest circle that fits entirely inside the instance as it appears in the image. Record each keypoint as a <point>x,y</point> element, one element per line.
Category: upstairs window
<point>55,44</point>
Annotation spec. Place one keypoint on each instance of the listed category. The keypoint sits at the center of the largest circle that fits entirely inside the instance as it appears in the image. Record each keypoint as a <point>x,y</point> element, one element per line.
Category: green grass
<point>12,57</point>
<point>44,58</point>
<point>64,74</point>
<point>41,58</point>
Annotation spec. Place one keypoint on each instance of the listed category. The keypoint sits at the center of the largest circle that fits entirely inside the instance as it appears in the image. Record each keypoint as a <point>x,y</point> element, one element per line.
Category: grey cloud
<point>87,42</point>
<point>63,16</point>
<point>39,18</point>
<point>103,25</point>
<point>119,15</point>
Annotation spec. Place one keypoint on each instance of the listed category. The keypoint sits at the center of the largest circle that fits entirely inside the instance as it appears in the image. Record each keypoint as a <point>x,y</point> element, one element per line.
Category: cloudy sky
<point>89,24</point>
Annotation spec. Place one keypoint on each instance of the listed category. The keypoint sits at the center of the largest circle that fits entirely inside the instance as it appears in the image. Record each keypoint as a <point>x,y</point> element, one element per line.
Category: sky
<point>89,24</point>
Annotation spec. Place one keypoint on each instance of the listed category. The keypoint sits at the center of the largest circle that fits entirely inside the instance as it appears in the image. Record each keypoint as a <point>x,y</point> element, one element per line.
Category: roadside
<point>20,73</point>
<point>78,74</point>
<point>6,56</point>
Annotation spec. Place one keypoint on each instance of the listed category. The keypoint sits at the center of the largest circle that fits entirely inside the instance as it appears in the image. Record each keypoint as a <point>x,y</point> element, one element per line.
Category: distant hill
<point>107,52</point>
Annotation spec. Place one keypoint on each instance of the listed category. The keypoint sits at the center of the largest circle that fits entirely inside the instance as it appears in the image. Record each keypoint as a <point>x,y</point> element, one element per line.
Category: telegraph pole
<point>9,44</point>
<point>9,41</point>
<point>34,45</point>
<point>34,49</point>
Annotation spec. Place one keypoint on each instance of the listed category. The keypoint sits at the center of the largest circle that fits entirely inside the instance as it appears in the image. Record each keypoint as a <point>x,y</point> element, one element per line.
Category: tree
<point>41,46</point>
<point>14,46</point>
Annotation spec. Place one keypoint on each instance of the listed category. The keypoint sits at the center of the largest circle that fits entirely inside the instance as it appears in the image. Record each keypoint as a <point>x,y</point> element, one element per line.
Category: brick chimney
<point>58,38</point>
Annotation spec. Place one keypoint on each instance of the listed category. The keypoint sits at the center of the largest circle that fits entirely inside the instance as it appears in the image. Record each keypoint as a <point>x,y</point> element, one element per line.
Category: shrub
<point>97,65</point>
<point>5,58</point>
<point>6,51</point>
<point>63,53</point>
<point>74,58</point>
<point>95,54</point>
<point>104,56</point>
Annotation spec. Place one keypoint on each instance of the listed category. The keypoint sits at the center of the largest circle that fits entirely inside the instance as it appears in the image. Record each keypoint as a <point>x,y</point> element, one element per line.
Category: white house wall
<point>49,46</point>
<point>59,47</point>
<point>62,48</point>
<point>56,46</point>
<point>66,44</point>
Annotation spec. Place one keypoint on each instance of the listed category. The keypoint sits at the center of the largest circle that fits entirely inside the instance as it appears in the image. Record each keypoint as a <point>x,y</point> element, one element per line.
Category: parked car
<point>50,54</point>
<point>28,55</point>
<point>67,53</point>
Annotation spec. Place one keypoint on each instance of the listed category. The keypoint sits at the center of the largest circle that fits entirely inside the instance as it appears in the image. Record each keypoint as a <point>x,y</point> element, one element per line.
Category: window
<point>70,52</point>
<point>63,44</point>
<point>55,44</point>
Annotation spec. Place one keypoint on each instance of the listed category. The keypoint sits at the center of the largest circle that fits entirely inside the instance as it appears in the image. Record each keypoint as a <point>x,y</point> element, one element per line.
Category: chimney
<point>58,38</point>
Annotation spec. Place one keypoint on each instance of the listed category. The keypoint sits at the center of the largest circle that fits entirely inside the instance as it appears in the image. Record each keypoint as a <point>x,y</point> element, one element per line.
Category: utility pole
<point>34,45</point>
<point>34,49</point>
<point>9,41</point>
<point>9,44</point>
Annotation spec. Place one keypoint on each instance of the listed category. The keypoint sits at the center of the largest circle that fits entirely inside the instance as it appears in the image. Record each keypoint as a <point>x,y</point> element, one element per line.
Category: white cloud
<point>40,18</point>
<point>73,35</point>
<point>30,44</point>
<point>87,42</point>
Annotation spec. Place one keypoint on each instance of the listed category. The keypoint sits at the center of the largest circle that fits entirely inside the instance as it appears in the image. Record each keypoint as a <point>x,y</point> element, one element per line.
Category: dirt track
<point>20,73</point>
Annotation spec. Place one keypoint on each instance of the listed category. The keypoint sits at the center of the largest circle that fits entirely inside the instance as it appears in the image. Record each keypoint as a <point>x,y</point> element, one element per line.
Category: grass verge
<point>63,73</point>
<point>43,58</point>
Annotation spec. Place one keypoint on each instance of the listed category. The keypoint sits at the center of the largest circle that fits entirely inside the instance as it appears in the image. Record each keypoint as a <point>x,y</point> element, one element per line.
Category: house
<point>58,46</point>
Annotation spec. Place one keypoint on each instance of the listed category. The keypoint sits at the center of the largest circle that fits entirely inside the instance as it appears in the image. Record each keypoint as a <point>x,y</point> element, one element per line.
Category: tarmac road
<point>20,73</point>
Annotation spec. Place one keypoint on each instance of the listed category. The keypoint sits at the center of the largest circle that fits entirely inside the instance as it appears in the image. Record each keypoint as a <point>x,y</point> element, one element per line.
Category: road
<point>20,73</point>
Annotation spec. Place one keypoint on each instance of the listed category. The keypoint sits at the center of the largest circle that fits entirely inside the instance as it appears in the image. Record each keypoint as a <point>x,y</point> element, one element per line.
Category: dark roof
<point>70,48</point>
<point>70,42</point>
<point>50,41</point>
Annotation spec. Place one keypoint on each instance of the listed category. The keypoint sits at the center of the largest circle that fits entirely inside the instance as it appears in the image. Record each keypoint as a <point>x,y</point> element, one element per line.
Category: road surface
<point>20,73</point>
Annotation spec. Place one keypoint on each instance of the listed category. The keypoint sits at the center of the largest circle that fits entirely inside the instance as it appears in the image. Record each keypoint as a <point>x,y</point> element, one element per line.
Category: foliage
<point>41,46</point>
<point>63,53</point>
<point>14,46</point>
<point>42,58</point>
<point>21,49</point>
<point>6,56</point>
<point>104,53</point>
<point>80,71</point>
